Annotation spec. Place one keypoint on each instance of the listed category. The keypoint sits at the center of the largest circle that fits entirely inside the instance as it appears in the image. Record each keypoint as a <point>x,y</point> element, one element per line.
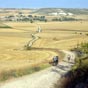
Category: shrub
<point>55,39</point>
<point>86,34</point>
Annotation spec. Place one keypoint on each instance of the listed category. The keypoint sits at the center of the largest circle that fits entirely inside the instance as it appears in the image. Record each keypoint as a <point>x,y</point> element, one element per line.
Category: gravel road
<point>45,78</point>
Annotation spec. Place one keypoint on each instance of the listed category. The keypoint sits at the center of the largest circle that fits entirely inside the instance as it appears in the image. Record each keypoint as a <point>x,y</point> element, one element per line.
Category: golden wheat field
<point>62,35</point>
<point>12,42</point>
<point>56,35</point>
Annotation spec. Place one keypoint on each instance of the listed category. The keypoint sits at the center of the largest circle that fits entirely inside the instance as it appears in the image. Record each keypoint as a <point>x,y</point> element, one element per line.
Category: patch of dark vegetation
<point>26,47</point>
<point>87,34</point>
<point>81,49</point>
<point>65,19</point>
<point>22,71</point>
<point>55,39</point>
<point>5,26</point>
<point>77,77</point>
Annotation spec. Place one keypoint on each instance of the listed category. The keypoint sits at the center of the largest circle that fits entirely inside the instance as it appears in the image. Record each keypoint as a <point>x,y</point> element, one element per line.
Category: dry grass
<point>60,35</point>
<point>23,26</point>
<point>12,57</point>
<point>65,26</point>
<point>14,61</point>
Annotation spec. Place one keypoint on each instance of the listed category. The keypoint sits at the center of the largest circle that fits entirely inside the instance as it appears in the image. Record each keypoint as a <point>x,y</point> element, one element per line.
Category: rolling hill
<point>46,11</point>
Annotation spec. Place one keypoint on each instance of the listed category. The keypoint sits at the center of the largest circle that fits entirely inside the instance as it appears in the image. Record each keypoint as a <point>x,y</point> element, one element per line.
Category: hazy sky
<point>44,3</point>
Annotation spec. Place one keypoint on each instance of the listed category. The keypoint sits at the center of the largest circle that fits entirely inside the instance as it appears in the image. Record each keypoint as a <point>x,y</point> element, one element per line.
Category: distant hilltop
<point>50,11</point>
<point>43,14</point>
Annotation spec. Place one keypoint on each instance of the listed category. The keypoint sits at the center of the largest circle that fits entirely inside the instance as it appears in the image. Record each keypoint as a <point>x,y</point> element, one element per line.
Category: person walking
<point>55,60</point>
<point>69,58</point>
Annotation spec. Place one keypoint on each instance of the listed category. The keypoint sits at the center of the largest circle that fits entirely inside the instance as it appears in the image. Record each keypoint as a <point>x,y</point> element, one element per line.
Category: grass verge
<point>20,72</point>
<point>6,26</point>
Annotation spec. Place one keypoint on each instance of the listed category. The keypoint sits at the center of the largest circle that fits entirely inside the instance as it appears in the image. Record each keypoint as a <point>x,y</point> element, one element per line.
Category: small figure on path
<point>69,57</point>
<point>55,60</point>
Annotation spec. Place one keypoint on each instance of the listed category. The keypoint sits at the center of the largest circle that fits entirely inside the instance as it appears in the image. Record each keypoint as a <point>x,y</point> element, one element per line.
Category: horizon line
<point>41,8</point>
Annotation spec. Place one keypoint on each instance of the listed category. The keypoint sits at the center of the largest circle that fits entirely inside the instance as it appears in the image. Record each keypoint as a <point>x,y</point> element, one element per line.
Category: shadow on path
<point>57,71</point>
<point>61,69</point>
<point>70,62</point>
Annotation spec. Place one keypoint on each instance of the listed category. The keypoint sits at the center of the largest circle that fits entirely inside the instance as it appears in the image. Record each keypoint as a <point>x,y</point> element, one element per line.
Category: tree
<point>30,16</point>
<point>31,21</point>
<point>45,20</point>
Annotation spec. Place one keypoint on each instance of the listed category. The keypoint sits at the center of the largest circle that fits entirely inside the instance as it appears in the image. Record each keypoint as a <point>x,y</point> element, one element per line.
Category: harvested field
<point>56,35</point>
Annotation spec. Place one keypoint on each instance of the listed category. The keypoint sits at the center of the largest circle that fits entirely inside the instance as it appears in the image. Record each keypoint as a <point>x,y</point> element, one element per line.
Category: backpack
<point>55,58</point>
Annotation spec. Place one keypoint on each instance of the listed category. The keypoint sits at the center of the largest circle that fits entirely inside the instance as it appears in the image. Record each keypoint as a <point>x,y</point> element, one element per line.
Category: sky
<point>43,3</point>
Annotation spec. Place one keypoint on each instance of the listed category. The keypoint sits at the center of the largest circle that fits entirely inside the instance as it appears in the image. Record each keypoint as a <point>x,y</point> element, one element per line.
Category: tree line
<point>65,19</point>
<point>21,17</point>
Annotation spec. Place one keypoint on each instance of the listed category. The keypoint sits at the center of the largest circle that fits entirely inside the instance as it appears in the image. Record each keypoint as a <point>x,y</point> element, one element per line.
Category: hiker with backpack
<point>55,60</point>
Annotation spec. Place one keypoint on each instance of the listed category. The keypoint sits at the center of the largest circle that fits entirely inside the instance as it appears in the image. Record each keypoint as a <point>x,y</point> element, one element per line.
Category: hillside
<point>46,11</point>
<point>76,11</point>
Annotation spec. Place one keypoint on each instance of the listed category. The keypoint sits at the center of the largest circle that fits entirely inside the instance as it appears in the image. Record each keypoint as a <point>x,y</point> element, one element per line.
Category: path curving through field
<point>45,78</point>
<point>34,38</point>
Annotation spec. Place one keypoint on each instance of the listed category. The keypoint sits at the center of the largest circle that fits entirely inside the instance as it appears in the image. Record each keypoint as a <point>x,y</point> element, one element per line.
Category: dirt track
<point>43,79</point>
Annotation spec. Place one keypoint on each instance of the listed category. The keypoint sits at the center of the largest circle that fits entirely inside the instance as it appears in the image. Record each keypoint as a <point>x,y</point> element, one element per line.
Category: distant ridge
<point>76,11</point>
<point>45,11</point>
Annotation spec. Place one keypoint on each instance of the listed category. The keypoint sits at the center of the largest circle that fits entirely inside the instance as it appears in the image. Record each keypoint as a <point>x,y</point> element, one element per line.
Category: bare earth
<point>43,79</point>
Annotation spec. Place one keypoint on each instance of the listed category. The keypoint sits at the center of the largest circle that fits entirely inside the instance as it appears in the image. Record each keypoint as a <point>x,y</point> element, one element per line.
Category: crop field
<point>62,35</point>
<point>56,35</point>
<point>12,53</point>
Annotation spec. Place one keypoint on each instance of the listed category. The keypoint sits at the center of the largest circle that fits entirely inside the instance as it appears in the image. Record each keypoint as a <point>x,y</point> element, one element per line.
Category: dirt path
<point>34,37</point>
<point>43,79</point>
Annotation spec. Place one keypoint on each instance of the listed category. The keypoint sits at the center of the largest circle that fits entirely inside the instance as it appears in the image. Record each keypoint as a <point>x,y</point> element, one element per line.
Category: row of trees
<point>31,18</point>
<point>21,17</point>
<point>65,19</point>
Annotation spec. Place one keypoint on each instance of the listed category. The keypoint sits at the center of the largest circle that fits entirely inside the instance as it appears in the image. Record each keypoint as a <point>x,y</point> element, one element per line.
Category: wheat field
<point>12,41</point>
<point>62,35</point>
<point>56,35</point>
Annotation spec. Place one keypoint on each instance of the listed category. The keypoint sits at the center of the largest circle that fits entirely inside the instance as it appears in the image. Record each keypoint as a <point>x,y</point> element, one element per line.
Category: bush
<point>86,34</point>
<point>78,75</point>
<point>74,78</point>
<point>31,21</point>
<point>55,39</point>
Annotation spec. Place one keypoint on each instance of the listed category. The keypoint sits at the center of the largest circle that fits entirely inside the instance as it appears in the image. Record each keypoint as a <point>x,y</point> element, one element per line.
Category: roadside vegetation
<point>15,73</point>
<point>77,77</point>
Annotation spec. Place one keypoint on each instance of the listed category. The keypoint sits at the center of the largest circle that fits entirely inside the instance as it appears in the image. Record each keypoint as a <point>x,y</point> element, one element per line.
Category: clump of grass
<point>26,47</point>
<point>55,39</point>
<point>87,34</point>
